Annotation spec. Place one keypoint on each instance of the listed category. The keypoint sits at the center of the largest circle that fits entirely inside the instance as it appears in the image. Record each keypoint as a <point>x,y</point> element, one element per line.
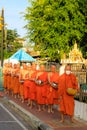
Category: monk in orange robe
<point>52,90</point>
<point>26,82</point>
<point>9,68</point>
<point>41,88</point>
<point>22,77</point>
<point>15,78</point>
<point>66,80</point>
<point>32,86</point>
<point>12,82</point>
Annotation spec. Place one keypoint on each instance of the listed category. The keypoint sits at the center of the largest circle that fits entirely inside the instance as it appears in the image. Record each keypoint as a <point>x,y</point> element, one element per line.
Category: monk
<point>13,82</point>
<point>41,88</point>
<point>24,75</point>
<point>9,69</point>
<point>66,80</point>
<point>32,86</point>
<point>18,83</point>
<point>52,97</point>
<point>15,76</point>
<point>26,82</point>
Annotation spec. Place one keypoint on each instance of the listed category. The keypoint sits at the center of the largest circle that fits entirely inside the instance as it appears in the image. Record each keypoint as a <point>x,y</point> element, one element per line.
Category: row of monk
<point>41,87</point>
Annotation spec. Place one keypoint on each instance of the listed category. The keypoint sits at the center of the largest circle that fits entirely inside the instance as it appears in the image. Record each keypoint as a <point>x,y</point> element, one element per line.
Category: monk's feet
<point>49,111</point>
<point>72,121</point>
<point>30,107</point>
<point>39,110</point>
<point>43,109</point>
<point>15,96</point>
<point>52,111</point>
<point>61,121</point>
<point>22,101</point>
<point>18,96</point>
<point>28,104</point>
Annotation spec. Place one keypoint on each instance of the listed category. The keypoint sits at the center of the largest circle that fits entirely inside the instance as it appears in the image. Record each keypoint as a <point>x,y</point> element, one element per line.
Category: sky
<point>13,18</point>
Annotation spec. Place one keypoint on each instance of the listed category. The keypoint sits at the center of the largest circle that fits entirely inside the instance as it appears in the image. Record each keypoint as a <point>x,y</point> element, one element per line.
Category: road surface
<point>10,120</point>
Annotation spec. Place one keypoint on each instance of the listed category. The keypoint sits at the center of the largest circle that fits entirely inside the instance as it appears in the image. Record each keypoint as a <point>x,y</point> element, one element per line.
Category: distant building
<point>20,40</point>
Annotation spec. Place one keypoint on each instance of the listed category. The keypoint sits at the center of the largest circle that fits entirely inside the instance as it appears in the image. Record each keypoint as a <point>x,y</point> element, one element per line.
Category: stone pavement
<point>43,120</point>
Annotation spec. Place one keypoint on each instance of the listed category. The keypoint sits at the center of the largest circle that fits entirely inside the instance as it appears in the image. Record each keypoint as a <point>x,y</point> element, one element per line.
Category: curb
<point>36,123</point>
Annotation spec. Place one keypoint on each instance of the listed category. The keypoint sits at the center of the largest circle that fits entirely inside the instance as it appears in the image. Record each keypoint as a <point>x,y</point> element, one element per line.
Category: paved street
<point>13,114</point>
<point>9,120</point>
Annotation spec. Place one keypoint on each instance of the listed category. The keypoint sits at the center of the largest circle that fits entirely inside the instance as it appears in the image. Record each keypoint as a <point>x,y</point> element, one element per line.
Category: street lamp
<point>2,33</point>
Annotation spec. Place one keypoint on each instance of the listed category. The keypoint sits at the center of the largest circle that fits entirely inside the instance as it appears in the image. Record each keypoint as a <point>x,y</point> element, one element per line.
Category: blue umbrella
<point>21,55</point>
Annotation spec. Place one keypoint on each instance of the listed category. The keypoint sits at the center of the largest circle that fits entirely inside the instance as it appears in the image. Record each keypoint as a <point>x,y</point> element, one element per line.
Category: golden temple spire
<point>75,45</point>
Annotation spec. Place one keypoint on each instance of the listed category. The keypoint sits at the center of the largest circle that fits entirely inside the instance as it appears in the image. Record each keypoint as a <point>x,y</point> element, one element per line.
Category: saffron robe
<point>66,101</point>
<point>23,76</point>
<point>52,93</point>
<point>41,90</point>
<point>32,86</point>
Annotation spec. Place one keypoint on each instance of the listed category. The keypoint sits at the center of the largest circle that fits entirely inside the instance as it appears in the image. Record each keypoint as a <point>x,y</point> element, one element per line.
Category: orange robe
<point>32,87</point>
<point>22,89</point>
<point>26,88</point>
<point>5,81</point>
<point>13,79</point>
<point>7,84</point>
<point>66,101</point>
<point>16,82</point>
<point>52,93</point>
<point>41,90</point>
<point>9,80</point>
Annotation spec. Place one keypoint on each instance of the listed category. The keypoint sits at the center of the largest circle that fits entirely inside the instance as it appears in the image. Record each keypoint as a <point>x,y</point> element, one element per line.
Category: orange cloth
<point>21,85</point>
<point>66,101</point>
<point>11,83</point>
<point>52,96</point>
<point>8,82</point>
<point>16,85</point>
<point>26,88</point>
<point>41,90</point>
<point>21,90</point>
<point>32,86</point>
<point>26,83</point>
<point>5,81</point>
<point>24,75</point>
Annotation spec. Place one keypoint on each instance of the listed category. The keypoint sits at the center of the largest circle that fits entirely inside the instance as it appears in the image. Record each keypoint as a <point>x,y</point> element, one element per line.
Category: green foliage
<point>83,41</point>
<point>11,35</point>
<point>11,45</point>
<point>54,25</point>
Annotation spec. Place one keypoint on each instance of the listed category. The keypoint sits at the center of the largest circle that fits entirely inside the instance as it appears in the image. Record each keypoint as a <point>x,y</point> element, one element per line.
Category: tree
<point>54,25</point>
<point>11,45</point>
<point>83,42</point>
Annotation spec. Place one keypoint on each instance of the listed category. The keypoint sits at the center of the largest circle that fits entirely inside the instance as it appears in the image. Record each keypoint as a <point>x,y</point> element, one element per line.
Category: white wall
<point>80,110</point>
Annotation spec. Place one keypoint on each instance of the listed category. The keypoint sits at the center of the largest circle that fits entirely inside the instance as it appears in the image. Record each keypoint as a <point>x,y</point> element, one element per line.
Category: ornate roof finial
<point>75,45</point>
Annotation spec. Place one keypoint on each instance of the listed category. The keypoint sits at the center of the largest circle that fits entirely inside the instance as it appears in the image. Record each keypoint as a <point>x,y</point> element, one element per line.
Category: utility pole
<point>2,41</point>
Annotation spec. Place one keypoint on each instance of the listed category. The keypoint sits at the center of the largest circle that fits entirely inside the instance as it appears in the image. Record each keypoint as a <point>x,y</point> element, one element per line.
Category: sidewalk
<point>43,120</point>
